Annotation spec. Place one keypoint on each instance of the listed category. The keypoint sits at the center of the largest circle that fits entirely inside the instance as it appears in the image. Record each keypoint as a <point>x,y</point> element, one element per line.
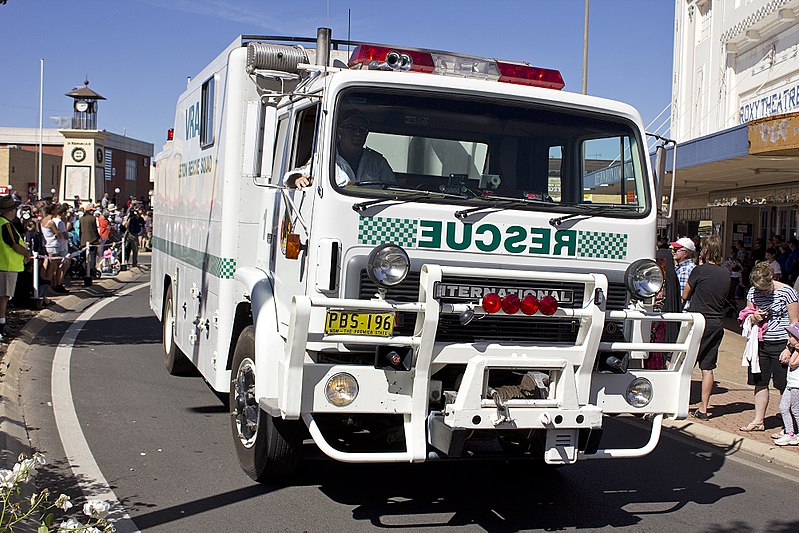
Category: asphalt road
<point>163,444</point>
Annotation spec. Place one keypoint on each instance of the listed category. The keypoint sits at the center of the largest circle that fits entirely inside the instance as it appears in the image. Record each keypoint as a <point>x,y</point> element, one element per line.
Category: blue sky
<point>138,53</point>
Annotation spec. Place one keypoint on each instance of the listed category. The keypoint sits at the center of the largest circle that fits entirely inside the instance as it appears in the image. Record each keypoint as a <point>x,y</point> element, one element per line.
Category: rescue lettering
<point>436,235</point>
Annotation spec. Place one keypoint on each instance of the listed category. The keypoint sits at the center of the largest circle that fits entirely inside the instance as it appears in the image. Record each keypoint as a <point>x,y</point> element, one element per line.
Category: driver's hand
<point>294,179</point>
<point>303,181</point>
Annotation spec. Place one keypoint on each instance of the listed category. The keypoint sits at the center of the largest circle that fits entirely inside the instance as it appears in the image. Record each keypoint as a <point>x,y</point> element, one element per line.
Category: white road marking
<point>84,467</point>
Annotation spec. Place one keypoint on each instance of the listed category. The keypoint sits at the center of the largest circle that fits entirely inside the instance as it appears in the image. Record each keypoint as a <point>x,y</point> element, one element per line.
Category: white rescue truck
<point>486,295</point>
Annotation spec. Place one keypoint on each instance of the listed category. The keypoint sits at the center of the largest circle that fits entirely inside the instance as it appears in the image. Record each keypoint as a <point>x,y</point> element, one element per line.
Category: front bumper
<point>579,396</point>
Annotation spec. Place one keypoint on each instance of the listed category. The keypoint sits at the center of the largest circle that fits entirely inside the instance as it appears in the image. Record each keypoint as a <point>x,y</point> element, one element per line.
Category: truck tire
<point>175,361</point>
<point>267,447</point>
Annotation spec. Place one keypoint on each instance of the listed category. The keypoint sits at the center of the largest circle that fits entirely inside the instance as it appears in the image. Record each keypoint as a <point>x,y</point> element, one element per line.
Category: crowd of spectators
<point>57,234</point>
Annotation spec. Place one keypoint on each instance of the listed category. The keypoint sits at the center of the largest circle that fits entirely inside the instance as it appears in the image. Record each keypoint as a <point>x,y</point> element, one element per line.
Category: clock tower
<point>82,172</point>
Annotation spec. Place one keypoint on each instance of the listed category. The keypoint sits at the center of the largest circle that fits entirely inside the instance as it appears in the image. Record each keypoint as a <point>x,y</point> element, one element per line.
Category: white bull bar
<point>581,396</point>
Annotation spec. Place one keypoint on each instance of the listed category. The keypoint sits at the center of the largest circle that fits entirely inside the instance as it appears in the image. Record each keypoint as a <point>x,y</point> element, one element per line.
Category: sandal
<point>751,426</point>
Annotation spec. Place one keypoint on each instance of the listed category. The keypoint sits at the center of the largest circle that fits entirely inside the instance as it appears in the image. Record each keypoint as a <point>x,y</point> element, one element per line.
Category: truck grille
<point>408,290</point>
<point>505,329</point>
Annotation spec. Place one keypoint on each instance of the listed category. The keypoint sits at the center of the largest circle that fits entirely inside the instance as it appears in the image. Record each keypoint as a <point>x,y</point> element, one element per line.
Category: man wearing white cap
<point>683,250</point>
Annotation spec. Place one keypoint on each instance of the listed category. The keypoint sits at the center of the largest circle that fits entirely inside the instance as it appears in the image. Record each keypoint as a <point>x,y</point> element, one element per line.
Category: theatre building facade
<point>735,116</point>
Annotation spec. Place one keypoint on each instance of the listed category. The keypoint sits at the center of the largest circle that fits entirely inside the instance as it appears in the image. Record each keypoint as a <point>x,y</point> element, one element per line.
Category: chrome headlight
<point>388,264</point>
<point>639,392</point>
<point>643,279</point>
<point>341,389</point>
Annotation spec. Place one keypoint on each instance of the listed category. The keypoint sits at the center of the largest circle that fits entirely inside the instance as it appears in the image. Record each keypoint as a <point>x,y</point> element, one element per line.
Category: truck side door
<point>295,209</point>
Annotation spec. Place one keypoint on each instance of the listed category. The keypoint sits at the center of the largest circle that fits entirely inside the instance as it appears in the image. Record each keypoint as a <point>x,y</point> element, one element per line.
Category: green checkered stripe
<point>602,245</point>
<point>220,267</point>
<point>380,230</point>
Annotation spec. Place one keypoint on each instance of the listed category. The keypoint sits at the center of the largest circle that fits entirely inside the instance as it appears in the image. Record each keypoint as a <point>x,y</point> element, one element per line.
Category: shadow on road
<point>500,496</point>
<point>107,331</point>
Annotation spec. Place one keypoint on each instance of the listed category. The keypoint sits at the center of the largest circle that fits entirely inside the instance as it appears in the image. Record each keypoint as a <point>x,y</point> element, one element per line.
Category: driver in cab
<point>355,163</point>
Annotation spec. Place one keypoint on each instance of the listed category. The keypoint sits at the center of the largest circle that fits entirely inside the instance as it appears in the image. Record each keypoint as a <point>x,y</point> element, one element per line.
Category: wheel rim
<point>246,412</point>
<point>169,327</point>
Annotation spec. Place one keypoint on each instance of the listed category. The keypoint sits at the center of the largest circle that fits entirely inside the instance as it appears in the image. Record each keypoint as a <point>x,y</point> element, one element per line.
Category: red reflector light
<point>170,134</point>
<point>548,305</point>
<point>491,302</point>
<point>511,304</point>
<point>393,58</point>
<point>527,75</point>
<point>529,304</point>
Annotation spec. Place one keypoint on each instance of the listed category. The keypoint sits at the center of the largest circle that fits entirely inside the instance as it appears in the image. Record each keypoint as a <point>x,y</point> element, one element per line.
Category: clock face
<point>81,106</point>
<point>78,154</point>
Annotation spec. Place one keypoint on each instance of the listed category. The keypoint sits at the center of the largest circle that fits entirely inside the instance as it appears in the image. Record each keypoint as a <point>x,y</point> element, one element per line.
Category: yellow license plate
<point>349,323</point>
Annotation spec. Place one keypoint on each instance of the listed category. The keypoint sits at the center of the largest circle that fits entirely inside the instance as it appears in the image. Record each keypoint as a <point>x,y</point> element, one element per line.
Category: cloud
<point>281,19</point>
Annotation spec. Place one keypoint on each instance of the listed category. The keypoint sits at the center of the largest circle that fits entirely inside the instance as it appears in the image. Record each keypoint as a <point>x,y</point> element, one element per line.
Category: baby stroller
<point>109,263</point>
<point>77,265</point>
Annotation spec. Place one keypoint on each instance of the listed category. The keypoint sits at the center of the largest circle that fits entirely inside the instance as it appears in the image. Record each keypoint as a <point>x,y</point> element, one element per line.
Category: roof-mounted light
<point>377,57</point>
<point>524,74</point>
<point>367,56</point>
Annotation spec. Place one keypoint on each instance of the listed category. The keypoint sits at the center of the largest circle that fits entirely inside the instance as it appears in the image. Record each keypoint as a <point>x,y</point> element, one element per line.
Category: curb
<point>732,444</point>
<point>13,431</point>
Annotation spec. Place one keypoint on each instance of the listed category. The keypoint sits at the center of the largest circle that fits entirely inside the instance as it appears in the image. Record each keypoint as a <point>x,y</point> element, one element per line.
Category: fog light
<point>341,389</point>
<point>639,392</point>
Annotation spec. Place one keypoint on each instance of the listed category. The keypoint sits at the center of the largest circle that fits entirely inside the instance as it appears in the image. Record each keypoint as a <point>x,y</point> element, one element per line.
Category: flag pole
<point>41,99</point>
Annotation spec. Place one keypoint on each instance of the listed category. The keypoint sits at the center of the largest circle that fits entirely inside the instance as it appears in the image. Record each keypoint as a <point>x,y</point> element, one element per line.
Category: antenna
<point>349,26</point>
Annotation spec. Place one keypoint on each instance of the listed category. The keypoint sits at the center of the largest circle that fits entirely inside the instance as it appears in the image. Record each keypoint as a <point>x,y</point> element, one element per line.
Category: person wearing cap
<point>355,163</point>
<point>683,250</point>
<point>89,233</point>
<point>13,255</point>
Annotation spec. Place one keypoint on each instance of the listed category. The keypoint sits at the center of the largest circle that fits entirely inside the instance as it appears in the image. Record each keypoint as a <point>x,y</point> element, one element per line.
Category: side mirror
<point>660,174</point>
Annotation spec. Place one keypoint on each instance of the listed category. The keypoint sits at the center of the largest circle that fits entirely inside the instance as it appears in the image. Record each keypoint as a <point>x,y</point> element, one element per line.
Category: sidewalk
<point>732,406</point>
<point>13,432</point>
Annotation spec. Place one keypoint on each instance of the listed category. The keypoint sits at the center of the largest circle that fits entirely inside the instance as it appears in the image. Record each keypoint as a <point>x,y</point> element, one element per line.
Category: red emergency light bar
<point>376,57</point>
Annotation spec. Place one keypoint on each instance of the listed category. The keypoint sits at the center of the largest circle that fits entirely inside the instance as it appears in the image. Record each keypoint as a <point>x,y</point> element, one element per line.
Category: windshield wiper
<point>415,196</point>
<point>502,202</point>
<point>589,210</point>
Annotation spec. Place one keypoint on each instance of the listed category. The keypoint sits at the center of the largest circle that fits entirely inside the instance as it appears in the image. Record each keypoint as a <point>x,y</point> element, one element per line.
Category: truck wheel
<point>267,446</point>
<point>175,361</point>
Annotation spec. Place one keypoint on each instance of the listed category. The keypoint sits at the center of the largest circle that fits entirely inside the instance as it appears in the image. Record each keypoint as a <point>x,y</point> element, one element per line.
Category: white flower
<point>63,502</point>
<point>22,471</point>
<point>96,508</point>
<point>92,530</point>
<point>39,458</point>
<point>7,478</point>
<point>70,525</point>
<point>33,499</point>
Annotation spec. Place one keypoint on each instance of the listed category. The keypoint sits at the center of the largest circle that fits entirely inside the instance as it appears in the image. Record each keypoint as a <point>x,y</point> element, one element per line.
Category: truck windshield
<point>477,150</point>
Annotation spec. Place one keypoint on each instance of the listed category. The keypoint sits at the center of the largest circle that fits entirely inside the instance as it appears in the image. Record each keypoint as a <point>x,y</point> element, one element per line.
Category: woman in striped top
<point>776,306</point>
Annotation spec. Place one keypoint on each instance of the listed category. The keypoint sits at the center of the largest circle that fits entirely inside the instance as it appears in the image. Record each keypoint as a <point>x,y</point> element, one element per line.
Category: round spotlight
<point>511,304</point>
<point>643,279</point>
<point>388,264</point>
<point>341,389</point>
<point>548,305</point>
<point>639,392</point>
<point>529,305</point>
<point>491,302</point>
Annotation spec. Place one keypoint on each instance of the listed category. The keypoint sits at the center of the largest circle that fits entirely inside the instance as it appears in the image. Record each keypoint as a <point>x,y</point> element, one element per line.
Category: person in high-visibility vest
<point>13,255</point>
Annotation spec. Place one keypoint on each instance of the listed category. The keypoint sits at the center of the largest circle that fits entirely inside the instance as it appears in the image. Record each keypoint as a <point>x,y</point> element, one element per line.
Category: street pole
<point>585,50</point>
<point>41,100</point>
